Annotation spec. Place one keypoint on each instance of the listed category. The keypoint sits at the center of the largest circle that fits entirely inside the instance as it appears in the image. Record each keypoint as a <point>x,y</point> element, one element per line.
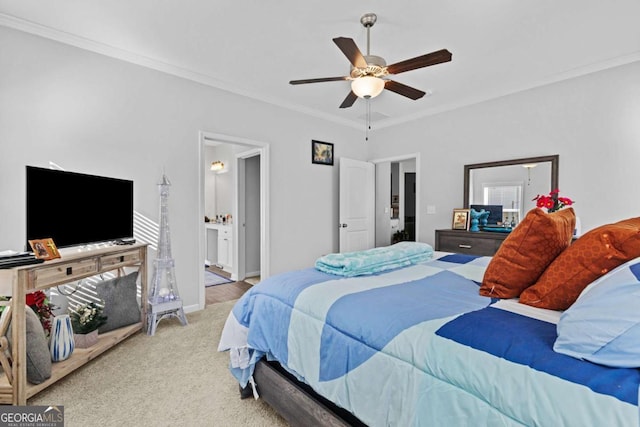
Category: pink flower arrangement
<point>553,201</point>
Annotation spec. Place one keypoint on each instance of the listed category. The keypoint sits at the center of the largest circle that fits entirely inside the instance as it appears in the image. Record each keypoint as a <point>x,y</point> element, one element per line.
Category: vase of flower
<point>86,319</point>
<point>553,202</point>
<point>86,340</point>
<point>62,343</point>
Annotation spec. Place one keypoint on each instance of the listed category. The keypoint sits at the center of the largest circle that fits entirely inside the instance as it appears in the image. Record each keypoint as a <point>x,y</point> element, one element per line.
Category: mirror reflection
<point>509,184</point>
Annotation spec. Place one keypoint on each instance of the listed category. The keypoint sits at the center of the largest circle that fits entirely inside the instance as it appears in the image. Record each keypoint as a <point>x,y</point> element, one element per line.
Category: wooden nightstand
<point>467,242</point>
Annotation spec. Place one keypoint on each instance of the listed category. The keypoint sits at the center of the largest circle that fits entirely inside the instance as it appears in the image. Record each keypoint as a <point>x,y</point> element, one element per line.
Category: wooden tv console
<point>19,281</point>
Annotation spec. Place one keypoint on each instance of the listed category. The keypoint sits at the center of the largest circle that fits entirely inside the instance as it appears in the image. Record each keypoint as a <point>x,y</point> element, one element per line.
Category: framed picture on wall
<point>44,249</point>
<point>461,218</point>
<point>321,153</point>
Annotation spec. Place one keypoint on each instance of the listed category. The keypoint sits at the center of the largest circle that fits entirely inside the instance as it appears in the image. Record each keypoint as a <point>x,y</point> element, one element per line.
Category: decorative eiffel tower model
<point>164,300</point>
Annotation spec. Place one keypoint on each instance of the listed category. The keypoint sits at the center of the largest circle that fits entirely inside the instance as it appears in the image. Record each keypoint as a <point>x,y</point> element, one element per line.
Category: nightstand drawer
<point>466,242</point>
<point>467,246</point>
<point>61,272</point>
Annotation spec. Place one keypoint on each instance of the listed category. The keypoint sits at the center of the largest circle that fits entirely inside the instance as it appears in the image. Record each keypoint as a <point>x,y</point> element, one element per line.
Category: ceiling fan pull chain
<point>367,121</point>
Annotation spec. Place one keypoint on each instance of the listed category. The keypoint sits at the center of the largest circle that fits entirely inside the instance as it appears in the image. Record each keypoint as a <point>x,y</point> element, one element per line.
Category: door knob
<point>342,225</point>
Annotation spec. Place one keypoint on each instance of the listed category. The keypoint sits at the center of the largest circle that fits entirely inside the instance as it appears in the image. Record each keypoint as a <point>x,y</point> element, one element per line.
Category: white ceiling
<point>255,47</point>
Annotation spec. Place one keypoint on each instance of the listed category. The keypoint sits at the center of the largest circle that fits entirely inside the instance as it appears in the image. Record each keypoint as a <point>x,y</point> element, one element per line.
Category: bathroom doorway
<point>233,198</point>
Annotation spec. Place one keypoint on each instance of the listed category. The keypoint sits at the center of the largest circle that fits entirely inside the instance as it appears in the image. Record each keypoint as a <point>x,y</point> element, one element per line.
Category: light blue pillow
<point>603,325</point>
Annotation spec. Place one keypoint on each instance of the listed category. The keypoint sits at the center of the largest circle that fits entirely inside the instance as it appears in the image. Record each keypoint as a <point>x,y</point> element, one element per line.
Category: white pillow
<point>603,325</point>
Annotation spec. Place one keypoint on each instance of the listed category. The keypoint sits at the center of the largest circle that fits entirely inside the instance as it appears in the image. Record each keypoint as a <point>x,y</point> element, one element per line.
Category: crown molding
<point>151,63</point>
<point>154,64</point>
<point>571,74</point>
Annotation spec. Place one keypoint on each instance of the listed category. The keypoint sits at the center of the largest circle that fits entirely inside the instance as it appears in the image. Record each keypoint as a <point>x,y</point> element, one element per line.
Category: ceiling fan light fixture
<point>367,86</point>
<point>368,72</point>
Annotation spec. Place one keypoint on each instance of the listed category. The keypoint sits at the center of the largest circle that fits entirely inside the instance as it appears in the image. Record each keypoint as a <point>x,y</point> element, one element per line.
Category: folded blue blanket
<point>375,260</point>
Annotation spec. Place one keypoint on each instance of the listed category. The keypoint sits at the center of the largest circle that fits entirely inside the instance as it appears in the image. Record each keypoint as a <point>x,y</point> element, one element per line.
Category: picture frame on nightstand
<point>460,219</point>
<point>44,249</point>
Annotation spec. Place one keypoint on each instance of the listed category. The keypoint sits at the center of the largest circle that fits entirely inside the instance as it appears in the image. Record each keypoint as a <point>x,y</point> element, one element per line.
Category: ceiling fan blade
<point>349,100</point>
<point>432,58</point>
<point>351,51</point>
<point>320,80</point>
<point>404,90</point>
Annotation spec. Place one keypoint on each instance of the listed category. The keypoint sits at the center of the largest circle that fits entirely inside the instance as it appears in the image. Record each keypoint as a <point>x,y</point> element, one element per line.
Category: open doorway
<point>397,199</point>
<point>232,192</point>
<point>409,209</point>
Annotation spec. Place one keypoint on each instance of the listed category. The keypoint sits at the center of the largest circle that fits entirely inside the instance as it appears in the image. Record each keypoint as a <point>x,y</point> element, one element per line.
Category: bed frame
<point>296,402</point>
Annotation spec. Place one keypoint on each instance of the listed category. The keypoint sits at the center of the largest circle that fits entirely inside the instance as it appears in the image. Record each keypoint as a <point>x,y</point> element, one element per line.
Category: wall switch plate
<point>431,209</point>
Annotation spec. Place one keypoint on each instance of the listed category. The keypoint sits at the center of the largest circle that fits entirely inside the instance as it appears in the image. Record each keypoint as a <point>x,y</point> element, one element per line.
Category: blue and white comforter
<point>413,347</point>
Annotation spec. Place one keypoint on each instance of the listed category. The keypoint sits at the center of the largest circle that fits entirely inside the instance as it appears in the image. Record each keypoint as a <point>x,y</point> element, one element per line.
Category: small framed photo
<point>44,249</point>
<point>321,153</point>
<point>461,219</point>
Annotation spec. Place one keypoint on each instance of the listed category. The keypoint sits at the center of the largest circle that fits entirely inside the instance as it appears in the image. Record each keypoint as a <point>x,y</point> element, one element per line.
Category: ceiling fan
<point>369,72</point>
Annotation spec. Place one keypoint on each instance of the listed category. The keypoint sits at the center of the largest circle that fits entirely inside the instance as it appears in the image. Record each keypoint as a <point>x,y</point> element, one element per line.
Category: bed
<point>415,345</point>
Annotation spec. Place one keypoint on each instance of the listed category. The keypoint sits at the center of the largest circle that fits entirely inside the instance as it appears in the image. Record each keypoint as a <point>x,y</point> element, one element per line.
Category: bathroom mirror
<point>510,183</point>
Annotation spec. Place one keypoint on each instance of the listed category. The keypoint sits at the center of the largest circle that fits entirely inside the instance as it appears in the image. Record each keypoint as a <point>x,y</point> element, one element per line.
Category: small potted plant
<point>85,320</point>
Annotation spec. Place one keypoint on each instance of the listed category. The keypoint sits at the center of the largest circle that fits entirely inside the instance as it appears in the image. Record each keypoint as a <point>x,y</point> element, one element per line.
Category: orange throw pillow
<point>527,252</point>
<point>591,256</point>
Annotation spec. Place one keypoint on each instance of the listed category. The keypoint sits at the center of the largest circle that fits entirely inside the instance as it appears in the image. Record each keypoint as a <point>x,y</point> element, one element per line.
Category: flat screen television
<point>76,209</point>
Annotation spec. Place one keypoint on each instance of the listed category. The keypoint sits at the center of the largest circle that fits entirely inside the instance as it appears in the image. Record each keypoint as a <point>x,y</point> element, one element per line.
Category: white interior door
<point>357,205</point>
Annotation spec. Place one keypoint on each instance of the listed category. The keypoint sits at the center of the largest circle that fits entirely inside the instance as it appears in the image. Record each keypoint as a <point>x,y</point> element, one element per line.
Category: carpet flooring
<point>174,378</point>
<point>213,279</point>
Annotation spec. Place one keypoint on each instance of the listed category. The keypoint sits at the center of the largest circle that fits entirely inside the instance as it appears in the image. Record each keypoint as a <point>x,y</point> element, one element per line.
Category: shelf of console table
<point>73,266</point>
<point>469,242</point>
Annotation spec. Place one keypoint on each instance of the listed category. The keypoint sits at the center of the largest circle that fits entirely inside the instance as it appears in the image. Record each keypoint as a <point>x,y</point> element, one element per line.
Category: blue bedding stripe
<point>458,258</point>
<point>274,299</point>
<point>376,316</point>
<point>529,342</point>
<point>284,287</point>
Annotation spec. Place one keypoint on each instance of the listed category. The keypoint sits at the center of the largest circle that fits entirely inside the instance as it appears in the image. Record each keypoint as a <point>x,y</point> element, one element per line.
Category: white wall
<point>93,114</point>
<point>592,122</point>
